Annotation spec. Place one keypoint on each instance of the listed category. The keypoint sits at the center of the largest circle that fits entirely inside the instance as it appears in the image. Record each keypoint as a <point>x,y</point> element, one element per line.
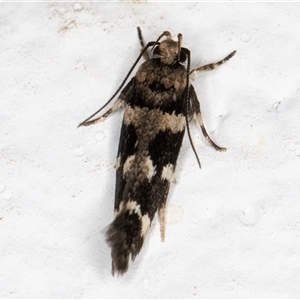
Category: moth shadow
<point>96,248</point>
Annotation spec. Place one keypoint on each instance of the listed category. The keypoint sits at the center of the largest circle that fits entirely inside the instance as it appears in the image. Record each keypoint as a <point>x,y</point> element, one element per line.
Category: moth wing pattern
<point>151,137</point>
<point>157,101</point>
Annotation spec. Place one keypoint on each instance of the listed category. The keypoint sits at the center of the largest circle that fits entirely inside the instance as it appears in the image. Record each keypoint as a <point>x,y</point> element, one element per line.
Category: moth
<point>158,101</point>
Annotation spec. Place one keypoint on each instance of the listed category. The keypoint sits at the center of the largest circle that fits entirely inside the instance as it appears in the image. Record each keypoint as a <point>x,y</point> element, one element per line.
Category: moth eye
<point>182,57</point>
<point>156,51</point>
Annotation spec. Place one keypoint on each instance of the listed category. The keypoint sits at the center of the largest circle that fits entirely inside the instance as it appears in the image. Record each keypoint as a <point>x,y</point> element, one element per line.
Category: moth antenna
<point>122,84</point>
<point>188,104</point>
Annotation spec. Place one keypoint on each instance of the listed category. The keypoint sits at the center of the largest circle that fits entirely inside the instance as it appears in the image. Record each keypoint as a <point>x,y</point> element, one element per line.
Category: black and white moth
<point>158,101</point>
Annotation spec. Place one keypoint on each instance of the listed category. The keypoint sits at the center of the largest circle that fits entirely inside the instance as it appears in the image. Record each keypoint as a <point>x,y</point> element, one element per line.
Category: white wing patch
<point>133,207</point>
<point>168,173</point>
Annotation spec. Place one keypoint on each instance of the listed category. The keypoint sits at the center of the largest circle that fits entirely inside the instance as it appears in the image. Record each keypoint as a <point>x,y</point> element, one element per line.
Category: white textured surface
<point>232,227</point>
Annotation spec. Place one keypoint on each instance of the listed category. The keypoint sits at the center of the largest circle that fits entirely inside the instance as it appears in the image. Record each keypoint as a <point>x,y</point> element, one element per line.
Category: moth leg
<point>169,177</point>
<point>120,102</point>
<point>142,42</point>
<point>162,221</point>
<point>197,115</point>
<point>116,106</point>
<point>211,66</point>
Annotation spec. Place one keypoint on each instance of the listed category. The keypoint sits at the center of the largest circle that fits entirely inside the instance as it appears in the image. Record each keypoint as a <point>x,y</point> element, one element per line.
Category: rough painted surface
<point>232,227</point>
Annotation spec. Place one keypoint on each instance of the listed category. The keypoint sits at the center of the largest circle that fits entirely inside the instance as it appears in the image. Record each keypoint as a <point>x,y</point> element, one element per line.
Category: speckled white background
<point>233,227</point>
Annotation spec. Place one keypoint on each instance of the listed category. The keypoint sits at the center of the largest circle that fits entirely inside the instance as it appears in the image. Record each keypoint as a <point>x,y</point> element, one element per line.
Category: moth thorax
<point>168,51</point>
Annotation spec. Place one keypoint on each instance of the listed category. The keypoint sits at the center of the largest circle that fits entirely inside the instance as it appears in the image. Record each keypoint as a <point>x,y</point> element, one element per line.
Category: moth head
<point>169,51</point>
